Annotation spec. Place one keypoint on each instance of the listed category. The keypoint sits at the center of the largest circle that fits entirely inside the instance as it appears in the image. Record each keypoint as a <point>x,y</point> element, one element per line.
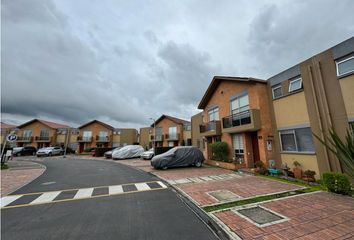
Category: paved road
<point>88,199</point>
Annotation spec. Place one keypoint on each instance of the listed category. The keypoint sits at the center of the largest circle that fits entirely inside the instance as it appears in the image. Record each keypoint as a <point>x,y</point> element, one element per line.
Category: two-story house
<point>39,133</point>
<point>236,111</point>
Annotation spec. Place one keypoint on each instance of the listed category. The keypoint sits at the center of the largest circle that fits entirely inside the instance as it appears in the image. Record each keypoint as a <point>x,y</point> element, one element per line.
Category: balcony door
<point>239,104</point>
<point>172,132</point>
<point>44,134</point>
<point>87,135</point>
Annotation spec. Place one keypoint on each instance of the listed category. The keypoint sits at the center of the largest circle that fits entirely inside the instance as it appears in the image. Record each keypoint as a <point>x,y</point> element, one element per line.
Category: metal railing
<point>237,119</point>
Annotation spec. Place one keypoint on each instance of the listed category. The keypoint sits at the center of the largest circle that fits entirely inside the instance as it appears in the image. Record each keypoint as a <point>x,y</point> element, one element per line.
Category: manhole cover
<point>48,183</point>
<point>224,195</point>
<point>261,216</point>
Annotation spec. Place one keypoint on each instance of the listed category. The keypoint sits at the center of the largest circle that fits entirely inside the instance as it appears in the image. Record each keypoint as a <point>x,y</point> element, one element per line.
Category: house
<point>170,132</point>
<point>197,140</point>
<point>311,98</point>
<point>5,130</point>
<point>124,136</point>
<point>145,137</point>
<point>40,133</point>
<point>236,111</point>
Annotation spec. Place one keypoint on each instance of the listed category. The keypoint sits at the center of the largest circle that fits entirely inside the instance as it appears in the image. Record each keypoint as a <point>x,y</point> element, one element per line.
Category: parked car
<point>178,157</point>
<point>23,151</point>
<point>108,154</point>
<point>129,151</point>
<point>50,151</point>
<point>148,154</point>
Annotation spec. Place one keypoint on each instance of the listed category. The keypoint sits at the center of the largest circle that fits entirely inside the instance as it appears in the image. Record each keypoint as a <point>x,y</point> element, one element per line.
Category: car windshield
<point>17,148</point>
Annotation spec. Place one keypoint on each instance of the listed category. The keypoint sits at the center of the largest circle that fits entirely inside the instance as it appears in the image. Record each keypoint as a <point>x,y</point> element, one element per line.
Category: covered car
<point>129,151</point>
<point>178,157</point>
<point>108,154</point>
<point>50,151</point>
<point>148,154</point>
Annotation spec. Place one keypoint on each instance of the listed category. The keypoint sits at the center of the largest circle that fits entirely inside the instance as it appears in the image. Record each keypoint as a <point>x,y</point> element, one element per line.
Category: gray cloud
<point>123,62</point>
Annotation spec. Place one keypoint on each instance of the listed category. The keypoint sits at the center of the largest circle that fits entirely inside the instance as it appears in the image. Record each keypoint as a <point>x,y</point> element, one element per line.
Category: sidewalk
<point>316,215</point>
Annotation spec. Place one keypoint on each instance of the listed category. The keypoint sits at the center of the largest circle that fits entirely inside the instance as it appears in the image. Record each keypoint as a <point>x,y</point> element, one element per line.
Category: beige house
<point>145,139</point>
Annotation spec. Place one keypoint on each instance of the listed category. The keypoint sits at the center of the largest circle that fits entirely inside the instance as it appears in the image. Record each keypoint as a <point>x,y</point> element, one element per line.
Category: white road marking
<point>84,193</point>
<point>9,199</point>
<point>115,189</point>
<point>161,184</point>
<point>142,186</point>
<point>46,197</point>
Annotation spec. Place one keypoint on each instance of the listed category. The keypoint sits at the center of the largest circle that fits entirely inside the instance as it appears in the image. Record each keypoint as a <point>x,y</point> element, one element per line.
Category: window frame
<point>297,151</point>
<point>295,80</point>
<point>342,61</point>
<point>276,87</point>
<point>281,141</point>
<point>213,110</point>
<point>237,99</point>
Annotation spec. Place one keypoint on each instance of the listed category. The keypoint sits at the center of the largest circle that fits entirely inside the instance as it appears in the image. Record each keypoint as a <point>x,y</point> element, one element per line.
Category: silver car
<point>148,154</point>
<point>50,151</point>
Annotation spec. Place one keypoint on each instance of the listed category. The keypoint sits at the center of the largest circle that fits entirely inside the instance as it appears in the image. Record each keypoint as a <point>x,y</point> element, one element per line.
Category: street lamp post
<point>154,134</point>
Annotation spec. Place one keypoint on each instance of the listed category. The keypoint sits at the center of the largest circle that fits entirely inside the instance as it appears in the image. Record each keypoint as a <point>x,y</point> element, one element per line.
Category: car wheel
<point>164,168</point>
<point>198,164</point>
<point>49,154</point>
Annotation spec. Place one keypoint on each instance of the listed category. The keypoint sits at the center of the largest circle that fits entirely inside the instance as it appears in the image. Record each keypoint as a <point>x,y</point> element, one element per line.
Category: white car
<point>130,151</point>
<point>50,151</point>
<point>148,154</point>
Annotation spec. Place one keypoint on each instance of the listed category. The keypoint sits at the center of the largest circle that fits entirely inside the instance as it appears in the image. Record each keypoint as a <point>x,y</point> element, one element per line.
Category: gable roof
<point>93,121</point>
<point>47,123</point>
<point>173,119</point>
<point>217,80</point>
<point>7,126</point>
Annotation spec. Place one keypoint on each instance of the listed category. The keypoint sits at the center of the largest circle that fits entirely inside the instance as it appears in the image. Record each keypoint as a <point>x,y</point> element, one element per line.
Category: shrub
<point>296,164</point>
<point>336,182</point>
<point>259,164</point>
<point>309,173</point>
<point>219,150</point>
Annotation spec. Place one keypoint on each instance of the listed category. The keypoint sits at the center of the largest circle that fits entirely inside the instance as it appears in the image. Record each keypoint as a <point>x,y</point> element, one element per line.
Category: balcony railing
<point>210,129</point>
<point>102,138</point>
<point>84,139</point>
<point>241,122</point>
<point>159,138</point>
<point>43,139</point>
<point>24,139</point>
<point>172,137</point>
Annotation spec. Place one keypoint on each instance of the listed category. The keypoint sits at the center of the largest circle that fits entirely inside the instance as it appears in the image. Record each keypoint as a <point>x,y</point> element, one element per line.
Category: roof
<point>48,123</point>
<point>217,80</point>
<point>93,121</point>
<point>7,126</point>
<point>173,119</point>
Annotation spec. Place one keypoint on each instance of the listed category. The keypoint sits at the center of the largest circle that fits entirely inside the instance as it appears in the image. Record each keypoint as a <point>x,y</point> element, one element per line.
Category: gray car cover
<point>130,151</point>
<point>178,157</point>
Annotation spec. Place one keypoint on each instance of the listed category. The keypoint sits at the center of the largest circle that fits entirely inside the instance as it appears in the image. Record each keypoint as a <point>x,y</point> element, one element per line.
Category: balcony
<point>246,121</point>
<point>102,139</point>
<point>24,139</point>
<point>172,137</point>
<point>159,138</point>
<point>210,129</point>
<point>84,139</point>
<point>43,139</point>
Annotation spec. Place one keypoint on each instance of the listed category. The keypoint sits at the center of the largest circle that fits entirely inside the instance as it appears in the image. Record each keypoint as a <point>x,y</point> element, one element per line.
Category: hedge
<point>337,182</point>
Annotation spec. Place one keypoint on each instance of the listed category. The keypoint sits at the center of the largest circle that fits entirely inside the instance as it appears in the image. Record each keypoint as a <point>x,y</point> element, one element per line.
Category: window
<point>27,134</point>
<point>87,135</point>
<point>239,104</point>
<point>237,141</point>
<point>172,132</point>
<point>295,84</point>
<point>345,66</point>
<point>277,92</point>
<point>44,134</point>
<point>117,132</point>
<point>103,134</point>
<point>213,114</point>
<point>187,127</point>
<point>297,140</point>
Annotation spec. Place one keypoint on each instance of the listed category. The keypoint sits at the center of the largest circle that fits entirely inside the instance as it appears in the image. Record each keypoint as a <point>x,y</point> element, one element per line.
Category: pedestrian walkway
<point>30,199</point>
<point>202,179</point>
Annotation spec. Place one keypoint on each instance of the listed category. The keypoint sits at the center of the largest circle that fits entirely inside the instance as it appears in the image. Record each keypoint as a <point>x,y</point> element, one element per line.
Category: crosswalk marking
<point>142,186</point>
<point>115,189</point>
<point>46,197</point>
<point>84,193</point>
<point>77,194</point>
<point>8,199</point>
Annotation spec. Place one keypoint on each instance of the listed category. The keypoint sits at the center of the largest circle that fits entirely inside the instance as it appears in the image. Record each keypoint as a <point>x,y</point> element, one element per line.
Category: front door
<point>255,147</point>
<point>81,147</point>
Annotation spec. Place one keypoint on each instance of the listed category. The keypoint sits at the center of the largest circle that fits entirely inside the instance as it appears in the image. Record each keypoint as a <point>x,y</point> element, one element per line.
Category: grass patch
<point>4,166</point>
<point>260,199</point>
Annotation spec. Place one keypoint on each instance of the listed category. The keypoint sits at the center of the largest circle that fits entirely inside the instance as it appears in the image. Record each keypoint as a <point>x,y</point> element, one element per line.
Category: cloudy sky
<point>126,61</point>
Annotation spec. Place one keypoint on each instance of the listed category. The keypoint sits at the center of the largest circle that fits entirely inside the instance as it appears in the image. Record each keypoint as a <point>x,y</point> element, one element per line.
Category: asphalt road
<point>154,215</point>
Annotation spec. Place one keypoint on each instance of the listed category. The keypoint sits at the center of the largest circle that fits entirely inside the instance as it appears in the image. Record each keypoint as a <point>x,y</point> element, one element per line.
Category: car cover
<point>178,157</point>
<point>130,151</point>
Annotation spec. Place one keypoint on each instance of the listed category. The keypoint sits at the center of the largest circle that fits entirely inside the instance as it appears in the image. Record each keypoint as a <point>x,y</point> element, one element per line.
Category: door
<point>237,141</point>
<point>255,147</point>
<point>81,147</point>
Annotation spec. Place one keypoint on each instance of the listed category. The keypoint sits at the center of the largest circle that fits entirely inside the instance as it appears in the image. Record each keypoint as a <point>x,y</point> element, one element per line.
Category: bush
<point>337,182</point>
<point>259,164</point>
<point>219,151</point>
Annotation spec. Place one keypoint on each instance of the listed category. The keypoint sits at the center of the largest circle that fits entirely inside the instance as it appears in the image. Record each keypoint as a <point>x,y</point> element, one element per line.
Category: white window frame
<point>281,143</point>
<point>276,87</point>
<point>295,80</point>
<point>342,61</point>
<point>238,108</point>
<point>213,110</point>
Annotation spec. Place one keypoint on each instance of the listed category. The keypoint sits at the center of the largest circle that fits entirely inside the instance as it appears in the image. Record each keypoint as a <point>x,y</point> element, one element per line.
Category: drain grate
<point>260,216</point>
<point>224,195</point>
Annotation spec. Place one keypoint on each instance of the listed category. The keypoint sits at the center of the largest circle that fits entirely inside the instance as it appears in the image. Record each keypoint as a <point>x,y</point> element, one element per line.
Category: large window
<point>239,104</point>
<point>297,140</point>
<point>213,114</point>
<point>295,84</point>
<point>172,132</point>
<point>87,135</point>
<point>238,145</point>
<point>345,66</point>
<point>277,91</point>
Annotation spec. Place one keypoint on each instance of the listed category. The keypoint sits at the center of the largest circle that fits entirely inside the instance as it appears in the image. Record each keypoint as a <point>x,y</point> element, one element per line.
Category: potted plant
<point>260,167</point>
<point>297,170</point>
<point>309,176</point>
